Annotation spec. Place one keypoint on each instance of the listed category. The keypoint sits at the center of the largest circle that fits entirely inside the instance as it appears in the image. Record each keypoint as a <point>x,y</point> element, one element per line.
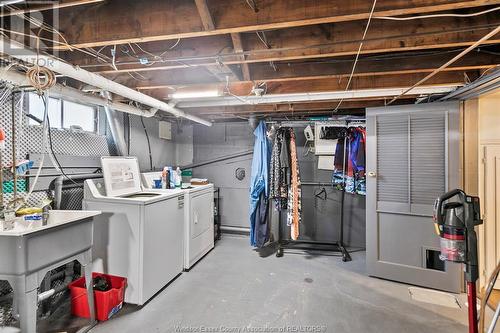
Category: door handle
<point>372,174</point>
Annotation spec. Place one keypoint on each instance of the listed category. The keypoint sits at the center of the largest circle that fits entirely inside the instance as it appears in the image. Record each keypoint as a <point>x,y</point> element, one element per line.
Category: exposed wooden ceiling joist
<point>322,106</point>
<point>335,69</point>
<point>121,22</point>
<point>310,43</point>
<point>206,17</point>
<point>238,48</point>
<point>55,5</point>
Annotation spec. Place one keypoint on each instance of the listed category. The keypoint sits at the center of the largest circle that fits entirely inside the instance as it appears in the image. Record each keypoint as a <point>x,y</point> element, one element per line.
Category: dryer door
<point>202,216</point>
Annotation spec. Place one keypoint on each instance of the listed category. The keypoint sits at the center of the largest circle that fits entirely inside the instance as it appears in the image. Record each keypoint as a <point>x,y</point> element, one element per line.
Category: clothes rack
<point>309,245</point>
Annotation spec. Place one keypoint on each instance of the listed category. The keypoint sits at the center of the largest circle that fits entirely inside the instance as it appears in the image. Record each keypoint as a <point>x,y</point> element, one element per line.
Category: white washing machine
<point>198,218</point>
<point>139,233</point>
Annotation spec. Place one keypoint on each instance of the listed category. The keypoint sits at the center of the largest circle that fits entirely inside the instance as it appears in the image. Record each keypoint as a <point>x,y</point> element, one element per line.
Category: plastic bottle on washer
<point>178,178</point>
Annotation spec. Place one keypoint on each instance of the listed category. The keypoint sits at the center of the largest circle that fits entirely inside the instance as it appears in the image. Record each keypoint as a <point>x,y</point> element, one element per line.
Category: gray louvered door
<point>412,158</point>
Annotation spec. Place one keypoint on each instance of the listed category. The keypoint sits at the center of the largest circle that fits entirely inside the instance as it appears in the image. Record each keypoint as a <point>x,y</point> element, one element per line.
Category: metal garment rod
<point>19,51</point>
<point>337,246</point>
<point>316,184</point>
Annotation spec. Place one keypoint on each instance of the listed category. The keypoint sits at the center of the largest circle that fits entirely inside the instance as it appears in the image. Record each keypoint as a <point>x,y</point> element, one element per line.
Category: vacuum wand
<point>455,224</point>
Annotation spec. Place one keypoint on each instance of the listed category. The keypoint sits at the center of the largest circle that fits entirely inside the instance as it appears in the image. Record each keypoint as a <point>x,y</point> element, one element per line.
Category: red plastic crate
<point>107,303</point>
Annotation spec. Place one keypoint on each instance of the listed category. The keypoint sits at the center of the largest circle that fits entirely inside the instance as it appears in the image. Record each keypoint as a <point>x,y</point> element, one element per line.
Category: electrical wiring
<point>42,161</point>
<point>52,155</point>
<point>448,63</point>
<point>113,60</point>
<point>303,47</point>
<point>263,39</point>
<point>149,143</point>
<point>435,15</point>
<point>41,78</point>
<point>357,55</point>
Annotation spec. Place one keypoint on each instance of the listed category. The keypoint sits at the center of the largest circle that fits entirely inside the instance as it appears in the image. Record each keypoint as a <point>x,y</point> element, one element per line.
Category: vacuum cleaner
<point>455,216</point>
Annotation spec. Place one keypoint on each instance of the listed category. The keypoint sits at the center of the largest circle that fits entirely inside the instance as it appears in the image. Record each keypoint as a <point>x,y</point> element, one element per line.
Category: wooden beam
<point>206,17</point>
<point>238,48</point>
<point>311,86</point>
<point>311,43</point>
<point>372,66</point>
<point>327,68</point>
<point>130,21</point>
<point>296,107</point>
<point>55,5</point>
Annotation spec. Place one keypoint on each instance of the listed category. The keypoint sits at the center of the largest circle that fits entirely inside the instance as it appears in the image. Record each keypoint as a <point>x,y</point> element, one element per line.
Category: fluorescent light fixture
<point>195,94</point>
<point>9,2</point>
<point>309,97</point>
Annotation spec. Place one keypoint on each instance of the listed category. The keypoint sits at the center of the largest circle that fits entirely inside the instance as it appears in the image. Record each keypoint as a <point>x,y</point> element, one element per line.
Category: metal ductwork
<point>479,87</point>
<point>72,94</point>
<point>116,127</point>
<point>20,52</point>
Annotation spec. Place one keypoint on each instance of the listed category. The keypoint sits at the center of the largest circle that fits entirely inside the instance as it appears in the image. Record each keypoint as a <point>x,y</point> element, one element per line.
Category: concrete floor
<point>233,287</point>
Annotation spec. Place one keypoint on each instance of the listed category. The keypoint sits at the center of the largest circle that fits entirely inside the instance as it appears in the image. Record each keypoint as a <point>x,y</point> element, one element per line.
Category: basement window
<point>63,114</point>
<point>80,115</point>
<point>37,108</point>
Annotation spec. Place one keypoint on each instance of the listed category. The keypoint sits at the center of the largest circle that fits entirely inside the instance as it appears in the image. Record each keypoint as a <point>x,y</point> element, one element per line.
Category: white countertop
<point>56,218</point>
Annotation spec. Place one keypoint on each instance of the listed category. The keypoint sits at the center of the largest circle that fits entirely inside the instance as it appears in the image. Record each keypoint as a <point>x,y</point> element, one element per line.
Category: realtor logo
<point>33,23</point>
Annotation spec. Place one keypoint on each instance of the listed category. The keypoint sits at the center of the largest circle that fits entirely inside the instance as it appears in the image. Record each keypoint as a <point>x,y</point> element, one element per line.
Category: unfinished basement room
<point>250,166</point>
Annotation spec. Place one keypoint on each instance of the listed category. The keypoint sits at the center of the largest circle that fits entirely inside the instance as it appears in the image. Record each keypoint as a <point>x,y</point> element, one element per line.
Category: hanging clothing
<point>294,192</point>
<point>259,187</point>
<point>349,164</point>
<point>280,166</point>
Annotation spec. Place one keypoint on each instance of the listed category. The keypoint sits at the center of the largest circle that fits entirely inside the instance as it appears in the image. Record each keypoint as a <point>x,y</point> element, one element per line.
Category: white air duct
<point>72,94</point>
<point>115,126</point>
<point>309,97</point>
<point>19,51</point>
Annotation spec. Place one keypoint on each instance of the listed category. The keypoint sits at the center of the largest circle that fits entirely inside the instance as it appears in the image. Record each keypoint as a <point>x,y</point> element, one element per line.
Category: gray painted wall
<point>162,151</point>
<point>320,217</point>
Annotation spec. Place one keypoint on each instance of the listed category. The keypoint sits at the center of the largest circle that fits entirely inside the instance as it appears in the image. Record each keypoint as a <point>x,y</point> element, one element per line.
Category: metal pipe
<point>219,159</point>
<point>482,85</point>
<point>14,157</point>
<point>72,94</point>
<point>19,51</point>
<point>1,184</point>
<point>239,230</point>
<point>117,131</point>
<point>49,293</point>
<point>58,183</point>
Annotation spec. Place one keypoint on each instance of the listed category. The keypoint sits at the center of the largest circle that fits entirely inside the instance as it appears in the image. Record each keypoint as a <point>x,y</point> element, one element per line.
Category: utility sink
<point>56,218</point>
<point>31,245</point>
<point>31,250</point>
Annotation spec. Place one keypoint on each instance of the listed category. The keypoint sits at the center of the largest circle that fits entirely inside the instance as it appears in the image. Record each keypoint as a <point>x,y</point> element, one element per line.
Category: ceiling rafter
<point>278,14</point>
<point>310,43</point>
<point>238,48</point>
<point>206,18</point>
<point>56,5</point>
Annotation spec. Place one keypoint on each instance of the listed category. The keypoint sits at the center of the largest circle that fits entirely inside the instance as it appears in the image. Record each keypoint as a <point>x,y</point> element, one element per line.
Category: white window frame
<point>61,114</point>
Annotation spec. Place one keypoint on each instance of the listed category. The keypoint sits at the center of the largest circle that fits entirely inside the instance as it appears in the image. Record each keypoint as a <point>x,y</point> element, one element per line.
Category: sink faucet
<point>45,214</point>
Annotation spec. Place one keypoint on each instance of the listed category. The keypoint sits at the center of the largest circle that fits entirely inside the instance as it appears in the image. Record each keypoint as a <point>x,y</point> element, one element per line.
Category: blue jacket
<point>259,186</point>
